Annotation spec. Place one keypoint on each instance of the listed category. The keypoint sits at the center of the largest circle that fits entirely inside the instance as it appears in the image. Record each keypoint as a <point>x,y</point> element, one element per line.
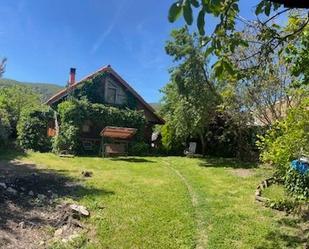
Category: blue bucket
<point>300,167</point>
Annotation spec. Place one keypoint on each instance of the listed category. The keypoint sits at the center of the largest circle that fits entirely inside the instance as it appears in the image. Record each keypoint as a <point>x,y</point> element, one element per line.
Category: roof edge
<point>109,69</point>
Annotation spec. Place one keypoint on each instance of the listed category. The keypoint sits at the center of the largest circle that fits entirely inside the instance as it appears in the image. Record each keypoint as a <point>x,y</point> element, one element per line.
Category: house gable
<point>113,90</point>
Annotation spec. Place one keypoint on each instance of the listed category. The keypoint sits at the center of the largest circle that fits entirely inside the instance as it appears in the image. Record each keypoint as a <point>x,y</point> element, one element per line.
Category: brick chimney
<point>72,76</point>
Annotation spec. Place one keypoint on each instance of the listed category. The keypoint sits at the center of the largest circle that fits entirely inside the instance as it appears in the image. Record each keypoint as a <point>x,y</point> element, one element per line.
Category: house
<point>113,90</point>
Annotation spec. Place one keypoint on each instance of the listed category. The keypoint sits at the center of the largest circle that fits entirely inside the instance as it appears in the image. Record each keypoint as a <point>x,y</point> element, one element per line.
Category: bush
<point>297,184</point>
<point>66,141</point>
<point>139,149</point>
<point>287,139</point>
<point>32,129</point>
<point>5,128</point>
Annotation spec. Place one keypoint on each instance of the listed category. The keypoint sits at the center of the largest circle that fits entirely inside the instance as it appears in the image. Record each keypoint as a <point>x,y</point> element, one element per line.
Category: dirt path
<point>201,233</point>
<point>29,205</point>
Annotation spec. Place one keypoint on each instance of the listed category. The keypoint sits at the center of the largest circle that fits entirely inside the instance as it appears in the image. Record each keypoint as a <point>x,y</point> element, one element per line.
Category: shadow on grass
<point>23,203</point>
<point>132,159</point>
<point>292,231</point>
<point>220,162</point>
<point>283,237</point>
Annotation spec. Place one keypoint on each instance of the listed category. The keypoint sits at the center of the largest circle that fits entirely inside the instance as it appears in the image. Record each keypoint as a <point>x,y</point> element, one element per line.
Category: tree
<point>32,128</point>
<point>5,128</point>
<point>224,39</point>
<point>190,98</point>
<point>14,100</point>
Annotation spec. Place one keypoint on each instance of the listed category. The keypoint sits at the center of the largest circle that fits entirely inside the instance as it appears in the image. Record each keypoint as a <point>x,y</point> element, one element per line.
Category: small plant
<point>297,184</point>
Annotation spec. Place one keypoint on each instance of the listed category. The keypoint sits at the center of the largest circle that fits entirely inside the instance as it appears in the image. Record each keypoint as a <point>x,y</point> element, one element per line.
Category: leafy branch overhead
<point>225,38</point>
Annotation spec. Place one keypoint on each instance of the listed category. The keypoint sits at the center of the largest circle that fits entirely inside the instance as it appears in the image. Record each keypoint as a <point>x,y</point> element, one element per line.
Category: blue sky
<point>42,39</point>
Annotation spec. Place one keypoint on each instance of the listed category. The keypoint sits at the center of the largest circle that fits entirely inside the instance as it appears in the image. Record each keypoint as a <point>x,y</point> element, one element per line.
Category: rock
<point>58,232</point>
<point>22,189</point>
<point>80,209</point>
<point>2,185</point>
<point>22,225</point>
<point>31,193</point>
<point>42,243</point>
<point>11,191</point>
<point>54,196</point>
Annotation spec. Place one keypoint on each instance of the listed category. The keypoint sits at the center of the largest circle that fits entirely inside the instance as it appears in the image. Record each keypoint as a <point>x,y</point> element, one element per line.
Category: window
<point>114,93</point>
<point>111,95</point>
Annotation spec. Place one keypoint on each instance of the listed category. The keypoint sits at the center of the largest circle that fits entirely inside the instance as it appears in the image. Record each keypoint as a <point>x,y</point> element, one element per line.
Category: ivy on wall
<point>93,90</point>
<point>73,113</point>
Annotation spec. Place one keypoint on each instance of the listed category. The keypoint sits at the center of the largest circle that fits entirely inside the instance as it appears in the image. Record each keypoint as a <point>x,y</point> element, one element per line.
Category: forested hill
<point>46,90</point>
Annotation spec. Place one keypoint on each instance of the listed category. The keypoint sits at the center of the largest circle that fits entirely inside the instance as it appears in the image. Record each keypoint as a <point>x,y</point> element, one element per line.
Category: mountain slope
<point>46,90</point>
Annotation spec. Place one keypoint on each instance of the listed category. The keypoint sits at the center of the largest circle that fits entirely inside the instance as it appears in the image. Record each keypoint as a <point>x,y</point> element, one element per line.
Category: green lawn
<point>173,202</point>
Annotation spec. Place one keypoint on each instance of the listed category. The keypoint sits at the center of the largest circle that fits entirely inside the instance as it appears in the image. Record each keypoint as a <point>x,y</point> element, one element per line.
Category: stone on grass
<point>80,209</point>
<point>58,232</point>
<point>31,193</point>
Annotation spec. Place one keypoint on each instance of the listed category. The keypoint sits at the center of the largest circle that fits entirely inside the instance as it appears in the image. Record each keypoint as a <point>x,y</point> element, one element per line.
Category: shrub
<point>32,129</point>
<point>5,128</point>
<point>287,139</point>
<point>66,141</point>
<point>297,184</point>
<point>139,149</point>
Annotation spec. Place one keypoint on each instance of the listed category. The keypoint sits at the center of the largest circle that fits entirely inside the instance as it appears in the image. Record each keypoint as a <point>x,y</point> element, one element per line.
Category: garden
<point>239,92</point>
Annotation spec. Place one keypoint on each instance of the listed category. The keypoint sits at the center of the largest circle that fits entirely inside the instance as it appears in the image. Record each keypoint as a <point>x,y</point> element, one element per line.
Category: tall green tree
<point>190,98</point>
<point>14,100</point>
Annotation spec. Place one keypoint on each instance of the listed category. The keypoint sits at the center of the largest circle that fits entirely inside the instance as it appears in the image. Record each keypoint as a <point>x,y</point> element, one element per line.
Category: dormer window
<point>111,95</point>
<point>114,94</point>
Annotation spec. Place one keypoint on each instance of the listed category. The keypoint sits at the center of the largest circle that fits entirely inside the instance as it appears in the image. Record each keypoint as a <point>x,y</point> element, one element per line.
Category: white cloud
<point>99,42</point>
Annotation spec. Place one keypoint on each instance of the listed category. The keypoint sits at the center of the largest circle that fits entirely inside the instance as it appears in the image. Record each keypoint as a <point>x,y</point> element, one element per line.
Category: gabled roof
<point>106,69</point>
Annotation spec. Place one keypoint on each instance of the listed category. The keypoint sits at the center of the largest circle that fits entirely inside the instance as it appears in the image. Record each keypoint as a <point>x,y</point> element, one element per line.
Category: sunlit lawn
<point>173,202</point>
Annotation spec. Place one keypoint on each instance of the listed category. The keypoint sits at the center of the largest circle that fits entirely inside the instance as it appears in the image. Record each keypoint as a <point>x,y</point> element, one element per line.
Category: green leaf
<point>218,68</point>
<point>187,13</point>
<point>175,12</point>
<point>201,22</point>
<point>228,67</point>
<point>195,3</point>
<point>267,9</point>
<point>209,51</point>
<point>259,8</point>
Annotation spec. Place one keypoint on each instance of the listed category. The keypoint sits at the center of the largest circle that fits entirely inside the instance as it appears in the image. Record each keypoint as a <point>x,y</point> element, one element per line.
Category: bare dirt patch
<point>242,172</point>
<point>30,211</point>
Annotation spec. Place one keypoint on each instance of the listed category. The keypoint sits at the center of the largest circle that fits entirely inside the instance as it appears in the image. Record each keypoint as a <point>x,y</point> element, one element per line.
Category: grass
<point>275,192</point>
<point>173,202</point>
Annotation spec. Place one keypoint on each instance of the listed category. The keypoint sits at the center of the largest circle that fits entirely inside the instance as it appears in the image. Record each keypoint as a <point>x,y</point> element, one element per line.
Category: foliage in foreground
<point>32,129</point>
<point>5,128</point>
<point>286,141</point>
<point>15,100</point>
